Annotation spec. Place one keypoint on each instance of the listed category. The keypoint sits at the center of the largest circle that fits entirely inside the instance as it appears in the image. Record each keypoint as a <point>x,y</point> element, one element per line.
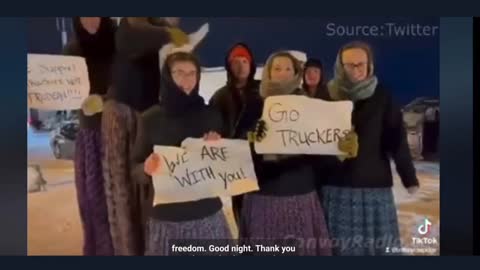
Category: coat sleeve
<point>141,150</point>
<point>136,37</point>
<point>215,104</point>
<point>397,144</point>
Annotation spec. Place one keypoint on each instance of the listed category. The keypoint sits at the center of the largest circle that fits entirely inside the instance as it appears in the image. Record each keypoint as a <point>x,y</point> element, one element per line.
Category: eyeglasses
<point>184,75</point>
<point>352,66</point>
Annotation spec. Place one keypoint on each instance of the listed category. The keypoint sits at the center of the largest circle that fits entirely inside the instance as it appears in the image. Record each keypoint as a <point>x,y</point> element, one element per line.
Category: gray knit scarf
<point>341,88</point>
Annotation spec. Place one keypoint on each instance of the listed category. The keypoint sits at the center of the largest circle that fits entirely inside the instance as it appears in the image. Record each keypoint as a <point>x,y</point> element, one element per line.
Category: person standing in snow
<point>287,205</point>
<point>182,111</point>
<point>358,198</point>
<point>94,40</point>
<point>136,83</point>
<point>238,101</point>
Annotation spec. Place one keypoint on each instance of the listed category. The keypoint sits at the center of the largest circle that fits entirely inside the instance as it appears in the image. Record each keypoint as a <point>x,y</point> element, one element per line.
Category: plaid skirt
<point>361,221</point>
<point>287,220</point>
<point>162,235</point>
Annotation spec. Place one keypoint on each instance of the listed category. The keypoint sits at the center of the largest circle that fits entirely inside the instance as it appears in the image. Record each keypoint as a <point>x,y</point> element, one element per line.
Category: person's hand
<point>212,136</point>
<point>260,130</point>
<point>413,189</point>
<point>152,164</point>
<point>177,36</point>
<point>93,104</point>
<point>349,144</point>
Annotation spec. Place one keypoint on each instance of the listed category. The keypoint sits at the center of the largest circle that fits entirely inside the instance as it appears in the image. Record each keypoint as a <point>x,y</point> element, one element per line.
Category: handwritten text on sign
<point>302,125</point>
<point>204,169</point>
<point>56,82</point>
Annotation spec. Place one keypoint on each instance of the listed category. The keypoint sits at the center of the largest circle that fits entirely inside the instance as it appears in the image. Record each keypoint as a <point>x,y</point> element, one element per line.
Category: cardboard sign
<point>303,125</point>
<point>203,169</point>
<point>56,82</point>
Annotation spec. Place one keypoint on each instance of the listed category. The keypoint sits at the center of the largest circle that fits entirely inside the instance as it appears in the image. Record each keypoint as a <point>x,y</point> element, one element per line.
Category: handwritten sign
<point>56,82</point>
<point>203,169</point>
<point>303,125</point>
<point>194,40</point>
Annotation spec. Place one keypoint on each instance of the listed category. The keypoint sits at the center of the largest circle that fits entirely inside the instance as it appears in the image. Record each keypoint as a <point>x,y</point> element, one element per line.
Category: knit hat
<point>239,51</point>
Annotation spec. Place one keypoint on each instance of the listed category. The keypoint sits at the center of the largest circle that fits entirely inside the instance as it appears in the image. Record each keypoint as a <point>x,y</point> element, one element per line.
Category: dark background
<point>408,65</point>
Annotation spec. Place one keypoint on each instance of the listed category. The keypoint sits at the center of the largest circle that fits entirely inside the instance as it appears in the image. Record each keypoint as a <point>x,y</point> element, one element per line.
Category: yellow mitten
<point>349,144</point>
<point>178,37</point>
<point>93,104</point>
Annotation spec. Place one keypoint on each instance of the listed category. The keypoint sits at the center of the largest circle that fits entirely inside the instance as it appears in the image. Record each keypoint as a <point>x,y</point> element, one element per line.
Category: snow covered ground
<point>54,226</point>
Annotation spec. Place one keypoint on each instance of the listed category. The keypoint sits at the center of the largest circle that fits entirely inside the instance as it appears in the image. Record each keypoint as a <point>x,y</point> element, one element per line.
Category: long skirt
<point>211,230</point>
<point>289,221</point>
<point>91,193</point>
<point>128,200</point>
<point>362,221</point>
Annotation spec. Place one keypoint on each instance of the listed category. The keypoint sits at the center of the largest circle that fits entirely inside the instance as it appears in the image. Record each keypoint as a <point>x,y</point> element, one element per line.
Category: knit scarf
<point>341,88</point>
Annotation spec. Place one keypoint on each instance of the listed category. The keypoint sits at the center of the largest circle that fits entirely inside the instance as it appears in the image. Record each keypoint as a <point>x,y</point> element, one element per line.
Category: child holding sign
<point>358,198</point>
<point>94,40</point>
<point>181,113</point>
<point>287,205</point>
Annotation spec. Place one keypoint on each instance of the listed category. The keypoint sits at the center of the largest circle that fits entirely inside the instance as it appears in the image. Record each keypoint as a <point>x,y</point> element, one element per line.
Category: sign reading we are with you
<point>56,82</point>
<point>303,125</point>
<point>203,169</point>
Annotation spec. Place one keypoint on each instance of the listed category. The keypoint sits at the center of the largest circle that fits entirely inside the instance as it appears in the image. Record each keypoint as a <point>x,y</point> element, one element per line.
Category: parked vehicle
<point>63,139</point>
<point>422,121</point>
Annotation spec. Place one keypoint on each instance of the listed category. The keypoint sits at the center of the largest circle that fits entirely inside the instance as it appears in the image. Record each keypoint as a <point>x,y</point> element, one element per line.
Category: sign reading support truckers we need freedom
<point>303,125</point>
<point>203,169</point>
<point>56,82</point>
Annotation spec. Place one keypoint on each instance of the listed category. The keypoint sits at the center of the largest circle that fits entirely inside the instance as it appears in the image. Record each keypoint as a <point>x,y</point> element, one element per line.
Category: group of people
<point>328,205</point>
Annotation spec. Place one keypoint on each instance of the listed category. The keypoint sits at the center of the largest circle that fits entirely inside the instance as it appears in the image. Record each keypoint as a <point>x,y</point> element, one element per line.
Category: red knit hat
<point>239,51</point>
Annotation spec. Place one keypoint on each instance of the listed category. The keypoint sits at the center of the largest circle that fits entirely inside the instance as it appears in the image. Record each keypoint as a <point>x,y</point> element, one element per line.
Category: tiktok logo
<point>425,227</point>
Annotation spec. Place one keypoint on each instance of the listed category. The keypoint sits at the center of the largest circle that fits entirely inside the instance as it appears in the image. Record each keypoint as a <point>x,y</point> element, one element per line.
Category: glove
<point>349,144</point>
<point>177,36</point>
<point>260,130</point>
<point>93,104</point>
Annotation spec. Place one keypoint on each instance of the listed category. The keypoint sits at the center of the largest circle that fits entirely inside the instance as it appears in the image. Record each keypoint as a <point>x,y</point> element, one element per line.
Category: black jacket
<point>239,107</point>
<point>176,118</point>
<point>136,70</point>
<point>379,124</point>
<point>98,50</point>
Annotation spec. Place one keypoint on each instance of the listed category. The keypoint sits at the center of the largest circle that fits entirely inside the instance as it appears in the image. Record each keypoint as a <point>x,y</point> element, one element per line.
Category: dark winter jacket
<point>136,68</point>
<point>98,50</point>
<point>238,107</point>
<point>322,86</point>
<point>379,124</point>
<point>177,117</point>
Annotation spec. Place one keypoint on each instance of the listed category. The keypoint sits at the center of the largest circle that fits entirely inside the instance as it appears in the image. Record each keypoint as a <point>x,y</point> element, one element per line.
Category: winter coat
<point>98,50</point>
<point>177,117</point>
<point>238,107</point>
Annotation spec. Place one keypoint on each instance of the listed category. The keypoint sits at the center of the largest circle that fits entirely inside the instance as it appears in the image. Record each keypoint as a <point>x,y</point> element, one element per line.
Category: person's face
<point>240,67</point>
<point>282,69</point>
<point>355,64</point>
<point>313,76</point>
<point>90,24</point>
<point>184,74</point>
